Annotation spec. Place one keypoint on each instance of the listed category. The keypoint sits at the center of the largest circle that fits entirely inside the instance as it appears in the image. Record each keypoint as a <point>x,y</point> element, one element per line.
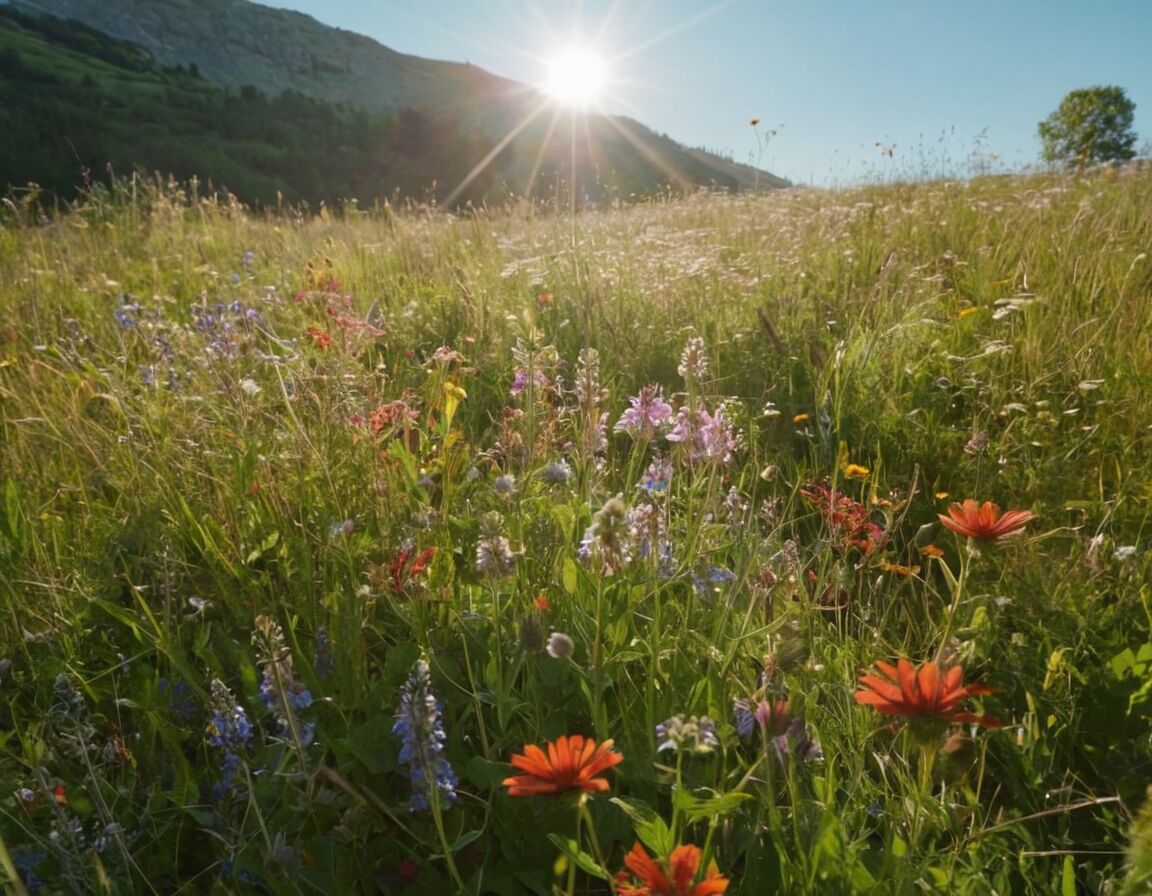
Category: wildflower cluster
<point>850,521</point>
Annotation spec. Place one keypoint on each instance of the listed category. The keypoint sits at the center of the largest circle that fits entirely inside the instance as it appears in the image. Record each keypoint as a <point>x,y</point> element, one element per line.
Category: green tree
<point>1092,125</point>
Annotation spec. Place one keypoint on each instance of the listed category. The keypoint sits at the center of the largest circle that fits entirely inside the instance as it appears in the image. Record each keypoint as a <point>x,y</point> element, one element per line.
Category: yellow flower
<point>854,471</point>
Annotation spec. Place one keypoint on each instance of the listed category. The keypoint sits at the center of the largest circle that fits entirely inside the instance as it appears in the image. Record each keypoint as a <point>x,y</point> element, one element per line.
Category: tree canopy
<point>1092,125</point>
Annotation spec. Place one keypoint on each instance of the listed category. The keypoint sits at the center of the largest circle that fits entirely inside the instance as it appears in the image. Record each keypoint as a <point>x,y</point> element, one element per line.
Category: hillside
<point>75,103</point>
<point>234,43</point>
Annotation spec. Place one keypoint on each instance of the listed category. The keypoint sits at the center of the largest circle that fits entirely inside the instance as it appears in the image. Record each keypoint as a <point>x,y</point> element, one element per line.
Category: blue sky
<point>936,81</point>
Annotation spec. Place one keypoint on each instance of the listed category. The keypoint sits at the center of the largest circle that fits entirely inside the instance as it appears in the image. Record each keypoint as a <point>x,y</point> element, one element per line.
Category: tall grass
<point>228,441</point>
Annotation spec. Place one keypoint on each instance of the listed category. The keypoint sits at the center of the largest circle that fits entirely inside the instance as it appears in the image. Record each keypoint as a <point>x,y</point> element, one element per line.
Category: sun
<point>576,77</point>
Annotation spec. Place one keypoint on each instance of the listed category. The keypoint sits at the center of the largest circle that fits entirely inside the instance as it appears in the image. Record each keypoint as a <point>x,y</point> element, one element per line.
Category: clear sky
<point>939,82</point>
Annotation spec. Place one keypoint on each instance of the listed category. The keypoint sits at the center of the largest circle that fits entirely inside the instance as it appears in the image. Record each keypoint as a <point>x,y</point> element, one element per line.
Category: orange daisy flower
<point>923,692</point>
<point>984,521</point>
<point>571,763</point>
<point>682,866</point>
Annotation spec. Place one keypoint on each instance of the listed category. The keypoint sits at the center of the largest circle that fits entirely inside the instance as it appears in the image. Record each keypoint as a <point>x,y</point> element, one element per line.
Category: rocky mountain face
<point>235,43</point>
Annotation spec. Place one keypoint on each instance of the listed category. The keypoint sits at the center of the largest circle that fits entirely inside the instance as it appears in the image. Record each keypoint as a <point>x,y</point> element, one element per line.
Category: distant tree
<point>1092,125</point>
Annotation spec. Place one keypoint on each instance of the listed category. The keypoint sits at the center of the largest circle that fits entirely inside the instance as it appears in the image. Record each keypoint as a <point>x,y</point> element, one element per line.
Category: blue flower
<point>420,727</point>
<point>228,730</point>
<point>707,584</point>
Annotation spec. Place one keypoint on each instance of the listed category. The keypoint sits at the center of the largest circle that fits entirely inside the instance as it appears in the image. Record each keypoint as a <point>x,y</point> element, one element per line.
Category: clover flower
<point>494,556</point>
<point>420,727</point>
<point>560,646</point>
<point>605,546</point>
<point>694,359</point>
<point>556,473</point>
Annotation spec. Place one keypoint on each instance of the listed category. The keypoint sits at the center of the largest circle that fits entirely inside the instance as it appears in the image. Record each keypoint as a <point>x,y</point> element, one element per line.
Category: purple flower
<point>520,381</point>
<point>648,414</point>
<point>708,438</point>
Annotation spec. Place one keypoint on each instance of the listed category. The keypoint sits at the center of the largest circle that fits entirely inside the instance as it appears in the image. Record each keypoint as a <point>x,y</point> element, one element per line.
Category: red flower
<point>682,866</point>
<point>985,521</point>
<point>404,567</point>
<point>320,339</point>
<point>922,693</point>
<point>849,520</point>
<point>571,763</point>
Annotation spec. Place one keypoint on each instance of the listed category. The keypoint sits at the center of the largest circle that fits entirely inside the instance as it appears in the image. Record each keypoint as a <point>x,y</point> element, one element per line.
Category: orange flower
<point>985,521</point>
<point>682,866</point>
<point>922,693</point>
<point>571,763</point>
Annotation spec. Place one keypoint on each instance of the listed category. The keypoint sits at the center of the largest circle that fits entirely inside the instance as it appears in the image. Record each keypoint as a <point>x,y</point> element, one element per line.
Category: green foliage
<point>1092,125</point>
<point>215,423</point>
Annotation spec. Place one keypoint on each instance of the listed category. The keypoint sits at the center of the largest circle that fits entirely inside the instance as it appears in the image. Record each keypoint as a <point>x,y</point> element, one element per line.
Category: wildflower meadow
<point>788,543</point>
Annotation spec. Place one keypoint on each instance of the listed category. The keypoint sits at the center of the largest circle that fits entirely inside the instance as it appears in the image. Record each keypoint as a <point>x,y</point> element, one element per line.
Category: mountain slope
<point>502,131</point>
<point>75,102</point>
<point>236,43</point>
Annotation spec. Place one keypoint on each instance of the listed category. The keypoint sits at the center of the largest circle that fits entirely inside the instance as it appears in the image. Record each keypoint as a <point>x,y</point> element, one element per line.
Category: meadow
<point>528,552</point>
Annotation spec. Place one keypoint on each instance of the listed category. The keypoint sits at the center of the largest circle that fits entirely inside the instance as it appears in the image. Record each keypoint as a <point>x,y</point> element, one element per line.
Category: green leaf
<point>568,575</point>
<point>466,838</point>
<point>649,827</point>
<point>1068,878</point>
<point>373,744</point>
<point>270,541</point>
<point>697,809</point>
<point>583,861</point>
<point>483,773</point>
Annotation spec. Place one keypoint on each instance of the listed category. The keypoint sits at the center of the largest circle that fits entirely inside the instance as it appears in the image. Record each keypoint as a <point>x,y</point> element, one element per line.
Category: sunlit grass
<point>291,458</point>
